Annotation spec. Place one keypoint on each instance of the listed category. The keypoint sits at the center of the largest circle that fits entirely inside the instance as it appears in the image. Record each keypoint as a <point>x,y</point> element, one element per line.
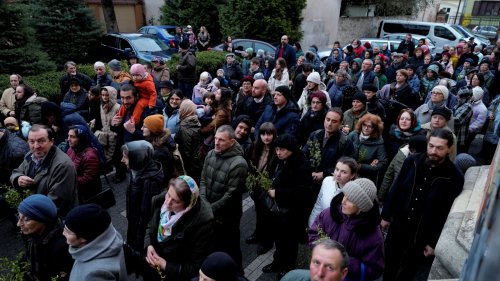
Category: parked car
<point>415,39</point>
<point>121,45</point>
<point>324,52</point>
<point>165,33</point>
<point>240,45</point>
<point>489,32</point>
<point>467,33</point>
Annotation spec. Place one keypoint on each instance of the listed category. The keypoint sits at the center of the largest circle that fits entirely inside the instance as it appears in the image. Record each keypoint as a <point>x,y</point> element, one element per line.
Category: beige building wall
<point>320,24</point>
<point>128,15</point>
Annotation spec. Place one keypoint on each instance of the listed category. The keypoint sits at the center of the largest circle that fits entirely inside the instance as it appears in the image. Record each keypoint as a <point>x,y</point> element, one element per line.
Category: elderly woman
<point>345,171</point>
<point>181,232</point>
<point>353,220</point>
<point>204,85</point>
<point>86,153</point>
<point>291,190</point>
<point>145,181</point>
<point>400,133</point>
<point>189,139</point>
<point>369,146</point>
<point>439,97</point>
<point>314,118</point>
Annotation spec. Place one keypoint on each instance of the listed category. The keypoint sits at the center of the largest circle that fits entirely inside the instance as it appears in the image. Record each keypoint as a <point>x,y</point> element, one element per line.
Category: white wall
<point>321,18</point>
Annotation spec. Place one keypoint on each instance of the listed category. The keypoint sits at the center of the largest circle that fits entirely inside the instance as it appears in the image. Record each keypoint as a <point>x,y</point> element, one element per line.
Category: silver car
<point>324,52</point>
<point>414,37</point>
<point>489,32</point>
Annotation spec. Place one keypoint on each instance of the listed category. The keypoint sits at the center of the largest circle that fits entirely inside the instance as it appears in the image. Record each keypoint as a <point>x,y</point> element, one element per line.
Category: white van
<point>440,33</point>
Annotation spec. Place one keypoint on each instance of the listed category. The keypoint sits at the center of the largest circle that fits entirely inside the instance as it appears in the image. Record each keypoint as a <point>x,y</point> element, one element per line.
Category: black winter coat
<point>12,151</point>
<point>189,243</point>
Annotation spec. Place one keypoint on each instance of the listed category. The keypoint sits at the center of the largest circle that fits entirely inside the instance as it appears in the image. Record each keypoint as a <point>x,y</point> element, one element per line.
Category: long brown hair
<point>279,72</point>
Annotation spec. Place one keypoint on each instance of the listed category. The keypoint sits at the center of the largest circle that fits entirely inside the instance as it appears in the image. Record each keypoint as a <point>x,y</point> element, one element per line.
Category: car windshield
<point>146,44</point>
<point>462,30</point>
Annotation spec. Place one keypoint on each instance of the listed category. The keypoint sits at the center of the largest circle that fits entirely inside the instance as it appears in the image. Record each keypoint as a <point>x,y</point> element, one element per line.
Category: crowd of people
<point>367,148</point>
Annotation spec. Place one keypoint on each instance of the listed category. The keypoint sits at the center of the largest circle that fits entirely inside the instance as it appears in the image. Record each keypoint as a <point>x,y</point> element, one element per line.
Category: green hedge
<point>47,84</point>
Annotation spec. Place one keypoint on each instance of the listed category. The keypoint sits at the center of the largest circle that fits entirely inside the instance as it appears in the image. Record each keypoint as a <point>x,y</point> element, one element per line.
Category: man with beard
<point>417,206</point>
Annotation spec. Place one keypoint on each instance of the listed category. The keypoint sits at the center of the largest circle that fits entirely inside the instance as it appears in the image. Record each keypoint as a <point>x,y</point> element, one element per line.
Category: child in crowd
<point>205,111</point>
<point>222,75</point>
<point>143,82</point>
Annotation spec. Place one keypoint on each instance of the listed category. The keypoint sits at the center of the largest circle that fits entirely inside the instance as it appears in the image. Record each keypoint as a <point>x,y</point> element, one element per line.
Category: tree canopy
<point>262,20</point>
<point>66,29</point>
<point>19,50</point>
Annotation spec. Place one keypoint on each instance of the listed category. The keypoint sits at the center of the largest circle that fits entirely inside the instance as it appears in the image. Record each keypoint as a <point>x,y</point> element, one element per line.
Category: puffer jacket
<point>223,182</point>
<point>360,234</point>
<point>479,115</point>
<point>100,259</point>
<point>31,110</point>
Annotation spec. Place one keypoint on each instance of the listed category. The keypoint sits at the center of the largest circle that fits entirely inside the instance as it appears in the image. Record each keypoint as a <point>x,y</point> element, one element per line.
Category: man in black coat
<point>65,81</point>
<point>417,206</point>
<point>406,45</point>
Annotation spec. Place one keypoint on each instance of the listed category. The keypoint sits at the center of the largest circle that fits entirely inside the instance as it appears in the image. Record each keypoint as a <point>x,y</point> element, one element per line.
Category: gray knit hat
<point>361,192</point>
<point>115,65</point>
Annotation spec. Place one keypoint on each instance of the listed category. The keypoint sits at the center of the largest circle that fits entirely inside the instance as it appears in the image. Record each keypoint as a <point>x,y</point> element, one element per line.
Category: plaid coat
<point>462,114</point>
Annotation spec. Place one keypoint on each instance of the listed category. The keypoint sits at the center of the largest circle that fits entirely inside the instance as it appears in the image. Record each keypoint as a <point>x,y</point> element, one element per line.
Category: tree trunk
<point>108,10</point>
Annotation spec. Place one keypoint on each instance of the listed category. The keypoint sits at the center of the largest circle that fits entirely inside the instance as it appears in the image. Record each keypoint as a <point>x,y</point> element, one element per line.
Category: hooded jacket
<point>100,259</point>
<point>146,178</point>
<point>30,110</point>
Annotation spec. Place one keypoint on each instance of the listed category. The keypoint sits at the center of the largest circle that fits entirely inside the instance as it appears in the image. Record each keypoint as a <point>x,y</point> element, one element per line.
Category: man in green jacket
<point>222,185</point>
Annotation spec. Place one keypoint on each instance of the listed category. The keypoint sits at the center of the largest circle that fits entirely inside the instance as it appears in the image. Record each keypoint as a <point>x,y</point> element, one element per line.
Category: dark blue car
<point>165,33</point>
<point>121,45</point>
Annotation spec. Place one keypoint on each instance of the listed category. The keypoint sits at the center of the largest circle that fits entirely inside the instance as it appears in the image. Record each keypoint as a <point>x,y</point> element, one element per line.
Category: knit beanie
<point>138,69</point>
<point>115,65</point>
<point>39,208</point>
<point>465,92</point>
<point>285,91</point>
<point>464,161</point>
<point>434,68</point>
<point>441,89</point>
<point>443,111</point>
<point>361,192</point>
<point>360,97</point>
<point>287,141</point>
<point>314,77</point>
<point>220,266</point>
<point>88,221</point>
<point>477,93</point>
<point>155,123</point>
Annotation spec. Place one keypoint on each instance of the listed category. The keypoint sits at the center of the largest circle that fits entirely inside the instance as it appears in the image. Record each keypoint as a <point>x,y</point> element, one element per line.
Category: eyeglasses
<point>367,126</point>
<point>436,93</point>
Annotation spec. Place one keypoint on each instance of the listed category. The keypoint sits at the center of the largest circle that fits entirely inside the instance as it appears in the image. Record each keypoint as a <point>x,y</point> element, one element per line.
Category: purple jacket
<point>360,235</point>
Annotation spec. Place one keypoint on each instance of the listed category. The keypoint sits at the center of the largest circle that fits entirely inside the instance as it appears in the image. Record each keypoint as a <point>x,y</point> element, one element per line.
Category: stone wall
<point>361,27</point>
